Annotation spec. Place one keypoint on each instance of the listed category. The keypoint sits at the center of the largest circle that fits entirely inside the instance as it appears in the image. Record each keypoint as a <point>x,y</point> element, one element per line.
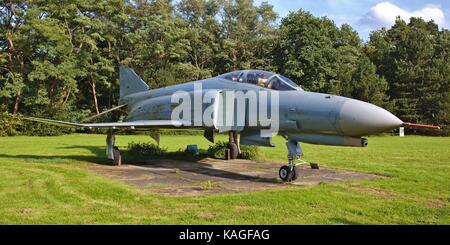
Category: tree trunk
<point>66,97</point>
<point>17,101</point>
<point>10,55</point>
<point>19,92</point>
<point>94,94</point>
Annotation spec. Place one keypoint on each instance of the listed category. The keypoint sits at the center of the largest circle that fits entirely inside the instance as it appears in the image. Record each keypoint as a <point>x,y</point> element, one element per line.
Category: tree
<point>60,58</point>
<point>367,85</point>
<point>315,53</point>
<point>304,50</point>
<point>414,59</point>
<point>203,34</point>
<point>246,34</point>
<point>14,52</point>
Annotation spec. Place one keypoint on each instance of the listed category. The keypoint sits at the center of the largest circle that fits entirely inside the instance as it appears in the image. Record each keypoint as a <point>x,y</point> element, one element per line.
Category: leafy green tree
<point>413,57</point>
<point>60,58</point>
<point>14,52</point>
<point>203,34</point>
<point>247,32</point>
<point>312,52</point>
<point>367,85</point>
<point>52,79</point>
<point>346,53</point>
<point>322,57</point>
<point>161,44</point>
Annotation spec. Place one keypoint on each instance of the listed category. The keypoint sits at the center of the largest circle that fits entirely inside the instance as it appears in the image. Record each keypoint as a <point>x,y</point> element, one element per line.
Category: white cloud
<point>384,15</point>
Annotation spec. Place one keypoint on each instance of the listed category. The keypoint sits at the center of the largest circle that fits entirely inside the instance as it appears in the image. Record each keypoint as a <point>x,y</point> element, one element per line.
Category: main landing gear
<point>233,145</point>
<point>290,172</point>
<point>113,151</point>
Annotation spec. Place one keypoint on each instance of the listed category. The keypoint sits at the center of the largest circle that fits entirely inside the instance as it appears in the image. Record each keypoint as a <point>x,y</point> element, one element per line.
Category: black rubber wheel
<point>117,161</point>
<point>233,150</point>
<point>294,173</point>
<point>285,173</point>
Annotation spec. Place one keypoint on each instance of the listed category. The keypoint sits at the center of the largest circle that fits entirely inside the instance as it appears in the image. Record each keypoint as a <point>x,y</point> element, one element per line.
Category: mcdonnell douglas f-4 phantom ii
<point>254,104</point>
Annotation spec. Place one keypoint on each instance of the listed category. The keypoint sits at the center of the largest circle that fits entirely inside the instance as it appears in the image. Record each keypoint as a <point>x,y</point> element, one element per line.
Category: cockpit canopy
<point>262,78</point>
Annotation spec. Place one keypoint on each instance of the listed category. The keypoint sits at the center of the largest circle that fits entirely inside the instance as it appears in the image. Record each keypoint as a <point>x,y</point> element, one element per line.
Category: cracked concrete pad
<point>213,176</point>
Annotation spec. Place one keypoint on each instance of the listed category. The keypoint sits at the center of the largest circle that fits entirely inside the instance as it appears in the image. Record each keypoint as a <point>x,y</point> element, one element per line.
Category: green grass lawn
<point>44,180</point>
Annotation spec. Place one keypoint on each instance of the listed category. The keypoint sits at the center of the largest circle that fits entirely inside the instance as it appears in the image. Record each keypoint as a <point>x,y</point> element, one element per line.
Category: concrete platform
<point>210,176</point>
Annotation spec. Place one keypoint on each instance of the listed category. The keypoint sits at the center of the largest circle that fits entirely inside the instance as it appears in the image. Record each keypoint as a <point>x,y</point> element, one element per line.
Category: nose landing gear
<point>289,173</point>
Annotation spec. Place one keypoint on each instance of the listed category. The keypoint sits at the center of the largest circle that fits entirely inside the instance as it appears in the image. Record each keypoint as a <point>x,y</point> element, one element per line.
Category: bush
<point>8,123</point>
<point>249,152</point>
<point>181,132</point>
<point>31,128</point>
<point>69,113</point>
<point>218,151</point>
<point>146,149</point>
<point>15,124</point>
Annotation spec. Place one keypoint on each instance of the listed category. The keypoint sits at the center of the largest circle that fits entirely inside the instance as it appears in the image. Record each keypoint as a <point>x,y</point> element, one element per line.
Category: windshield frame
<point>288,82</point>
<point>242,77</point>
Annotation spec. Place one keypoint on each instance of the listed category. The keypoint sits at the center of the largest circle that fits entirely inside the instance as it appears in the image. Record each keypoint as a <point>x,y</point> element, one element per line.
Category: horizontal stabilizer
<point>137,124</point>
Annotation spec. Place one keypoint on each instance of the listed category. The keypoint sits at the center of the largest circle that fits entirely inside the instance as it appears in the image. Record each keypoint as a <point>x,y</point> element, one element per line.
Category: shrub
<point>8,123</point>
<point>11,125</point>
<point>249,152</point>
<point>69,113</point>
<point>145,149</point>
<point>15,124</point>
<point>31,128</point>
<point>218,151</point>
<point>181,132</point>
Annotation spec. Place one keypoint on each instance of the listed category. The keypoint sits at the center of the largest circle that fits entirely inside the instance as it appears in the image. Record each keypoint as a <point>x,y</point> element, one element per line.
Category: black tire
<point>117,161</point>
<point>233,150</point>
<point>285,173</point>
<point>295,173</point>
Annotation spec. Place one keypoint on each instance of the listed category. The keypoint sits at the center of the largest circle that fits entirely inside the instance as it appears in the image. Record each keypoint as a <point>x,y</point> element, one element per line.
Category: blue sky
<point>368,15</point>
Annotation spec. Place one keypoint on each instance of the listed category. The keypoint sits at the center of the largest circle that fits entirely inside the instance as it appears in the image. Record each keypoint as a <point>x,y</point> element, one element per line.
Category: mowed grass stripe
<point>44,180</point>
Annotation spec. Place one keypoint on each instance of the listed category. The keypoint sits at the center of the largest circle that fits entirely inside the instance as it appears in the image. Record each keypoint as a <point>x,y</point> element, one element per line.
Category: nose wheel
<point>288,173</point>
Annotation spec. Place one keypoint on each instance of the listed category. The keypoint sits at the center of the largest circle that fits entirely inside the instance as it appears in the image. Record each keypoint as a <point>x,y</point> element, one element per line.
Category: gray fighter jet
<point>300,116</point>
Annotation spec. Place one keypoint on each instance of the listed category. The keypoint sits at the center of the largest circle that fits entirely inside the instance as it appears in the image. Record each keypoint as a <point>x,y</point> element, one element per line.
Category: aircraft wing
<point>140,124</point>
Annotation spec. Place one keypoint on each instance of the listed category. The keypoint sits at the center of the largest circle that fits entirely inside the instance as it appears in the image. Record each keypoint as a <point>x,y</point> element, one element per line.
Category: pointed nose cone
<point>359,118</point>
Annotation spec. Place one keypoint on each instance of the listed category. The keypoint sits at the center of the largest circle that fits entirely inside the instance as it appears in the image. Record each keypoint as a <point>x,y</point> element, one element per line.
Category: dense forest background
<point>60,58</point>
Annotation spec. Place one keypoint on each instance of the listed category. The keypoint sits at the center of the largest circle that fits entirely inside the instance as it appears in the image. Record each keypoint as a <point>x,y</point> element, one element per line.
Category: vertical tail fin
<point>130,83</point>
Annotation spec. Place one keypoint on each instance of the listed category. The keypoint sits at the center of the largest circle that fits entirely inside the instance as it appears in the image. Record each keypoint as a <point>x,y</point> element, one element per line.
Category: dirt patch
<point>435,204</point>
<point>373,191</point>
<point>26,211</point>
<point>212,176</point>
<point>207,214</point>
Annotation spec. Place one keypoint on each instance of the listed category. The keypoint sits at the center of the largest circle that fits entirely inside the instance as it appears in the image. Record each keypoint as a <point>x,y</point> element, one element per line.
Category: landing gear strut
<point>112,151</point>
<point>233,144</point>
<point>290,172</point>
